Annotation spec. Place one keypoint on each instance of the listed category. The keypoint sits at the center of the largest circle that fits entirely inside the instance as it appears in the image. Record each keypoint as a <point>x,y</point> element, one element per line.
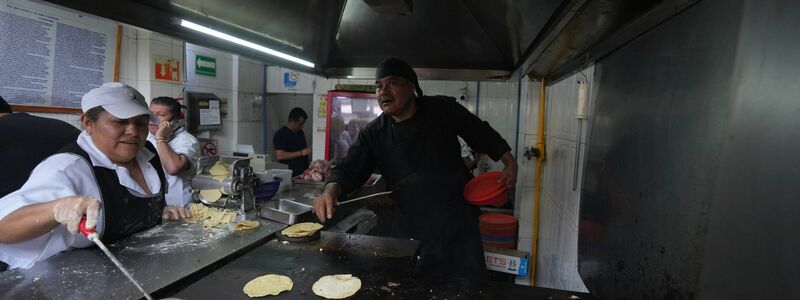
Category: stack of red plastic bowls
<point>498,231</point>
<point>484,190</point>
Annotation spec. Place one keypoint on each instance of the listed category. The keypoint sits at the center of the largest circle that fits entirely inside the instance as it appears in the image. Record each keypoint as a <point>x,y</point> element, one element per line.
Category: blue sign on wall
<point>290,79</point>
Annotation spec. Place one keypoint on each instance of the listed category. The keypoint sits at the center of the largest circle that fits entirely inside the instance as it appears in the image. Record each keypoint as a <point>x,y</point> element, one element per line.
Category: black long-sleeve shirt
<point>431,206</point>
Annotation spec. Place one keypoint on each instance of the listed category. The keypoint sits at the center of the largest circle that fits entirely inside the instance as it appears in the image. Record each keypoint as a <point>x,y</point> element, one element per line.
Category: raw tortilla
<point>209,216</point>
<point>337,286</point>
<point>268,285</point>
<point>211,195</point>
<point>219,169</point>
<point>247,225</point>
<point>301,229</point>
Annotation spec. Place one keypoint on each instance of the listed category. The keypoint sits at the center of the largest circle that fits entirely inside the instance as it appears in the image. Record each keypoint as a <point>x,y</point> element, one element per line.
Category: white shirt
<point>183,143</point>
<point>61,175</point>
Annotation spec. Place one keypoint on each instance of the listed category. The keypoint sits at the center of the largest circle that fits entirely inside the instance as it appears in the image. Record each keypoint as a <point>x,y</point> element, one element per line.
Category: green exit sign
<point>205,65</point>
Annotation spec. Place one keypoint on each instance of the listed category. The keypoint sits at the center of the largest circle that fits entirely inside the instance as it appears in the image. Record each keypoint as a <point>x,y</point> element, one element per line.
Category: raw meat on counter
<point>318,171</point>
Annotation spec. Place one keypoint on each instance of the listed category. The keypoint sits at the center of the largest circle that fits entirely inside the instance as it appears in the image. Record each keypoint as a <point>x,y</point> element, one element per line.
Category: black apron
<point>432,208</point>
<point>125,214</point>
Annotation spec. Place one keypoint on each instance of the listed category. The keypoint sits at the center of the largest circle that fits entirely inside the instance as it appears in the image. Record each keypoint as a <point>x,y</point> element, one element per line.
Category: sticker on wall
<point>323,107</point>
<point>290,79</point>
<point>166,68</point>
<point>205,65</point>
<point>208,147</point>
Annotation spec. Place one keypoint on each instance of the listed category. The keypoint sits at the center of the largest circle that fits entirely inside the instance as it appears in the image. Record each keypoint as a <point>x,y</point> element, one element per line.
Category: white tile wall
<point>434,87</point>
<point>558,224</point>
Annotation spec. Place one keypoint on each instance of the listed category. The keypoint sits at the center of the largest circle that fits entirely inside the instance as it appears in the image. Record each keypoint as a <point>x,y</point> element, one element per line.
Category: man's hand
<point>71,209</point>
<point>325,204</point>
<point>509,174</point>
<point>174,213</point>
<point>164,130</point>
<point>305,152</point>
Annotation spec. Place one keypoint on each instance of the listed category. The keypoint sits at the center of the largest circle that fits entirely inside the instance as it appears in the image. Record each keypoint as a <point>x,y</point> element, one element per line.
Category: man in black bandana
<point>415,145</point>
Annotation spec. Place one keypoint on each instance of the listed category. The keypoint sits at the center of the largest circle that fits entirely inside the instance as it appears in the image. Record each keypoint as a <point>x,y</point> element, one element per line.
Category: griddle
<point>384,265</point>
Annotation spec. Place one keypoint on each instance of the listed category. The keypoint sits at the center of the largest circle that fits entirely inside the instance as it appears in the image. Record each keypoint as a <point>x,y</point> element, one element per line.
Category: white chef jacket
<point>183,143</point>
<point>61,175</point>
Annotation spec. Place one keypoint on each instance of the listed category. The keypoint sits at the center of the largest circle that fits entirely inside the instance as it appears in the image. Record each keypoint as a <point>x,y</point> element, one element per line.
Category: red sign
<point>209,149</point>
<point>167,69</point>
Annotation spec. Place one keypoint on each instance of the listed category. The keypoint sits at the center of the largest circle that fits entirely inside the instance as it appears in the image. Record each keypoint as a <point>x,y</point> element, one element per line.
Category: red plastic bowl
<point>497,219</point>
<point>500,198</point>
<point>483,187</point>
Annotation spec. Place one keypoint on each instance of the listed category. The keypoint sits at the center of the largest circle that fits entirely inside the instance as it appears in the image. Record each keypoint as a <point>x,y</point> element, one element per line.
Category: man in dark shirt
<point>415,145</point>
<point>290,142</point>
<point>25,141</point>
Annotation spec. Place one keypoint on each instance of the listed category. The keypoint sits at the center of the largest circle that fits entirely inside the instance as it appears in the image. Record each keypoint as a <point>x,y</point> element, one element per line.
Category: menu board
<point>52,56</point>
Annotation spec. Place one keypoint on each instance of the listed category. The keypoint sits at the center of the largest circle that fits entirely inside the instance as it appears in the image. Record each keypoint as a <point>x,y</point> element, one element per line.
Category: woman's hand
<point>174,213</point>
<point>71,209</point>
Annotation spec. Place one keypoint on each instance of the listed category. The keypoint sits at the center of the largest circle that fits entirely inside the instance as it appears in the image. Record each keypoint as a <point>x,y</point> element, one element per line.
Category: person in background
<point>177,149</point>
<point>290,142</point>
<point>110,175</point>
<point>414,143</point>
<point>25,141</point>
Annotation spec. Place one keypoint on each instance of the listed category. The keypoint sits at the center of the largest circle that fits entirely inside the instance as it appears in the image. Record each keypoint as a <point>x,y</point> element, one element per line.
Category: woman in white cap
<point>107,176</point>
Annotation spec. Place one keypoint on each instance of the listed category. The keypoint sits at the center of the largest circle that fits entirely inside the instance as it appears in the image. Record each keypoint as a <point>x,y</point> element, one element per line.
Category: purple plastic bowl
<point>267,190</point>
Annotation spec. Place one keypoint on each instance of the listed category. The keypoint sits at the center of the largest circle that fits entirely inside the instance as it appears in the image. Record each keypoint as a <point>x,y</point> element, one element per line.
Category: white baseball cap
<point>118,99</point>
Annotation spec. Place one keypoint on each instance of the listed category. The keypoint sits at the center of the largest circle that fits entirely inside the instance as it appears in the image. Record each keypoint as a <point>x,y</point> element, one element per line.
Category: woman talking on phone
<point>177,148</point>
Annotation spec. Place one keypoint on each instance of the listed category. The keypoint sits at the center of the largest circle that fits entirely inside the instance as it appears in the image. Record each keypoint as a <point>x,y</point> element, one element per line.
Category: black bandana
<point>396,67</point>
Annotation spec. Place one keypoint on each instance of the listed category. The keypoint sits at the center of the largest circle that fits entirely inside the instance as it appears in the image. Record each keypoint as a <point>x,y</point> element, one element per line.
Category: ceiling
<point>442,39</point>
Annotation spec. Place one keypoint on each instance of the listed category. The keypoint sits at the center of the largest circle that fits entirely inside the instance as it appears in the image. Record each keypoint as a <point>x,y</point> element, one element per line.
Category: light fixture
<point>242,42</point>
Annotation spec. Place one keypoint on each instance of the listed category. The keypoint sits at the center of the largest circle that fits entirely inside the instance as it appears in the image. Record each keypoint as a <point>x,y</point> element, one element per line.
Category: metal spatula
<point>94,237</point>
<point>364,197</point>
<point>404,182</point>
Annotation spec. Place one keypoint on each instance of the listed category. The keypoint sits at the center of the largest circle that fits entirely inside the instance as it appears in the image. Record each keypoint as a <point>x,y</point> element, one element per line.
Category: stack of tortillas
<point>337,286</point>
<point>219,171</point>
<point>268,285</point>
<point>302,229</point>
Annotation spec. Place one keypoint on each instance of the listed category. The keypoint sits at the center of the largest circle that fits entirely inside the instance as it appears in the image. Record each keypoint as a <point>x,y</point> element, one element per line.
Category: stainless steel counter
<point>158,258</point>
<point>163,259</point>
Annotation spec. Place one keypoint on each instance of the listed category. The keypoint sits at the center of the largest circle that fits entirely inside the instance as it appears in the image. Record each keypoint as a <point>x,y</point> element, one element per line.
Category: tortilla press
<point>303,239</point>
<point>237,186</point>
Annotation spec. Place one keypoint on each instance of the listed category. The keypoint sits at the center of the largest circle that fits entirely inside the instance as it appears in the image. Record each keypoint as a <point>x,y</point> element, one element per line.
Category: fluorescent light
<point>242,42</point>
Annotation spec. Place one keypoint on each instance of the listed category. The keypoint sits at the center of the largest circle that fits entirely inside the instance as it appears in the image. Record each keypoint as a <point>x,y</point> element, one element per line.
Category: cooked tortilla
<point>268,285</point>
<point>301,229</point>
<point>337,286</point>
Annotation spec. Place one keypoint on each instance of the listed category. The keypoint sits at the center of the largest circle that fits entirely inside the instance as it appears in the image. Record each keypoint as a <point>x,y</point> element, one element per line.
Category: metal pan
<point>284,211</point>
